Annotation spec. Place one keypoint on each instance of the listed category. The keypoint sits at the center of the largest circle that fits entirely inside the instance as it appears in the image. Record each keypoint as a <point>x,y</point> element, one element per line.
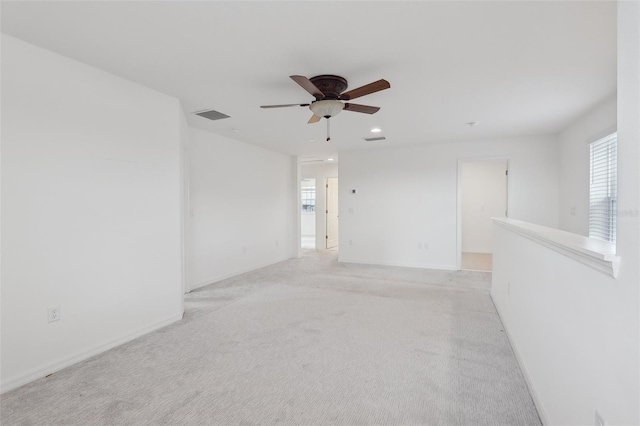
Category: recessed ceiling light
<point>329,159</point>
<point>312,140</point>
<point>473,123</point>
<point>376,130</point>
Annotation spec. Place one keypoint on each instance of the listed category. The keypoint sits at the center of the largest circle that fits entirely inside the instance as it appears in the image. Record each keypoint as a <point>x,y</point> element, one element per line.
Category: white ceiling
<point>519,68</point>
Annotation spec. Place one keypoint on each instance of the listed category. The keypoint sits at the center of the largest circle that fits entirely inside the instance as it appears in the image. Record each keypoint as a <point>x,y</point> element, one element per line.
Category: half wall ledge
<point>596,254</point>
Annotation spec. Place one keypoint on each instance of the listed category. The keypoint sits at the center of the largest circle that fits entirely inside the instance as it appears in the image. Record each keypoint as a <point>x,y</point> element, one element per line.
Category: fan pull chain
<point>328,129</point>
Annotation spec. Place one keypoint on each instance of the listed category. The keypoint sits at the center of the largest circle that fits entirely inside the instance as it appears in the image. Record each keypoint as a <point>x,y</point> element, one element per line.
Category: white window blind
<point>603,188</point>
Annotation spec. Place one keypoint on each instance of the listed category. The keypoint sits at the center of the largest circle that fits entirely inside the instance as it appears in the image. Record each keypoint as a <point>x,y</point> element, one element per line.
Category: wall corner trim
<point>599,255</point>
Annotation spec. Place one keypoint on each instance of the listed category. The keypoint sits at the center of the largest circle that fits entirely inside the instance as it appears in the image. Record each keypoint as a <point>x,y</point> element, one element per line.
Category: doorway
<point>484,194</point>
<point>308,214</point>
<point>332,213</point>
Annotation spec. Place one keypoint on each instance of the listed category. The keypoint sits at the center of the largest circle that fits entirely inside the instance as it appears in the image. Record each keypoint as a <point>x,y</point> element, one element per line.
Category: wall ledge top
<point>599,255</point>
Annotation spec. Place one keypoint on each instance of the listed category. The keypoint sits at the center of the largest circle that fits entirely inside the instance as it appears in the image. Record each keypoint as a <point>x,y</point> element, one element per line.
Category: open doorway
<point>314,180</point>
<point>484,194</point>
<point>332,214</point>
<point>308,215</point>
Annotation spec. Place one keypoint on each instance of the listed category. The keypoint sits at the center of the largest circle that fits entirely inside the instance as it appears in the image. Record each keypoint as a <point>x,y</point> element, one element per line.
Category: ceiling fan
<point>329,91</point>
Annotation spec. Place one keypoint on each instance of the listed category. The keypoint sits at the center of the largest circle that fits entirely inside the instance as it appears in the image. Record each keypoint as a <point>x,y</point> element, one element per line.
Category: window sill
<point>599,255</point>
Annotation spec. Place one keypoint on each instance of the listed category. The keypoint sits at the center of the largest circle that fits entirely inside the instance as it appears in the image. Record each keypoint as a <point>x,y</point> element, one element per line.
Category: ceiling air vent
<point>211,114</point>
<point>379,138</point>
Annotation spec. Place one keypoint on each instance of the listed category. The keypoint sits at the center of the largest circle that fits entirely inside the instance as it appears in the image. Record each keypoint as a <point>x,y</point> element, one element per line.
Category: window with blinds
<point>603,188</point>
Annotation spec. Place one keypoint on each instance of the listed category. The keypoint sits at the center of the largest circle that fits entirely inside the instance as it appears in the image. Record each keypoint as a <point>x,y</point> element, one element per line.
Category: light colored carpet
<point>307,341</point>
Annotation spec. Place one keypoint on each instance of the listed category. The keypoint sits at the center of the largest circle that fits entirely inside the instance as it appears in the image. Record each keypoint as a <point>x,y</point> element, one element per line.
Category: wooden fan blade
<point>314,119</point>
<point>307,85</point>
<point>361,108</point>
<point>283,106</point>
<point>376,86</point>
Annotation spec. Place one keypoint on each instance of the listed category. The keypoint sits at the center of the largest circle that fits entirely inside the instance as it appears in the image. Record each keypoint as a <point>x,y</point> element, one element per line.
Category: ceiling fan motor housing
<point>330,85</point>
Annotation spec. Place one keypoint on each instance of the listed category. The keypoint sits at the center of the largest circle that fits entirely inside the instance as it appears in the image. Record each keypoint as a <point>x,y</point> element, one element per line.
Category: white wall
<point>308,223</point>
<point>90,211</point>
<point>308,183</point>
<point>408,196</point>
<point>241,207</point>
<point>572,328</point>
<point>484,195</point>
<point>577,330</point>
<point>574,164</point>
<point>320,172</point>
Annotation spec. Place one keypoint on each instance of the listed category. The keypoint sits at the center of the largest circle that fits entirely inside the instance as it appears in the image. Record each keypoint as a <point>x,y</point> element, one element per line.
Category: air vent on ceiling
<point>310,160</point>
<point>211,114</point>
<point>379,138</point>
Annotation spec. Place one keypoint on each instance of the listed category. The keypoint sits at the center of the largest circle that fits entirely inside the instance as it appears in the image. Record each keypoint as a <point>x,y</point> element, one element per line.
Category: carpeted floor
<point>308,341</point>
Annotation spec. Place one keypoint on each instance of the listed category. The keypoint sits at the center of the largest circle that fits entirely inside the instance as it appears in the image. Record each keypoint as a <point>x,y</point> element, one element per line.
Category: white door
<point>332,212</point>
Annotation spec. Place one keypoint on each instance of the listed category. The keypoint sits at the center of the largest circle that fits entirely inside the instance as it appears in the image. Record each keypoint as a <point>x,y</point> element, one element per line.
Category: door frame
<point>297,205</point>
<point>461,161</point>
<point>326,214</point>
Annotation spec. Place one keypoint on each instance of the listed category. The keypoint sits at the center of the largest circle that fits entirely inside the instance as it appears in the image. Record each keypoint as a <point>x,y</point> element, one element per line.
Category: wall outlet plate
<point>54,313</point>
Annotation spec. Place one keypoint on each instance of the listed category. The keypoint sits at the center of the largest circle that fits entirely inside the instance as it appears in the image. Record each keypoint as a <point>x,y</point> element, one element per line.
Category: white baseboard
<point>523,367</point>
<point>239,272</point>
<point>40,372</point>
<point>400,264</point>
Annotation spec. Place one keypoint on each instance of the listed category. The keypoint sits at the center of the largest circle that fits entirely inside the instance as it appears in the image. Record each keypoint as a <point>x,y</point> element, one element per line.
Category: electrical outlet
<point>277,243</point>
<point>244,249</point>
<point>54,313</point>
<point>426,246</point>
<point>350,242</point>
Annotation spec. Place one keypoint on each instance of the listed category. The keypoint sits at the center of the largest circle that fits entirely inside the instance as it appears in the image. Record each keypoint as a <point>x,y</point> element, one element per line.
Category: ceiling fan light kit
<point>327,109</point>
<point>329,91</point>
